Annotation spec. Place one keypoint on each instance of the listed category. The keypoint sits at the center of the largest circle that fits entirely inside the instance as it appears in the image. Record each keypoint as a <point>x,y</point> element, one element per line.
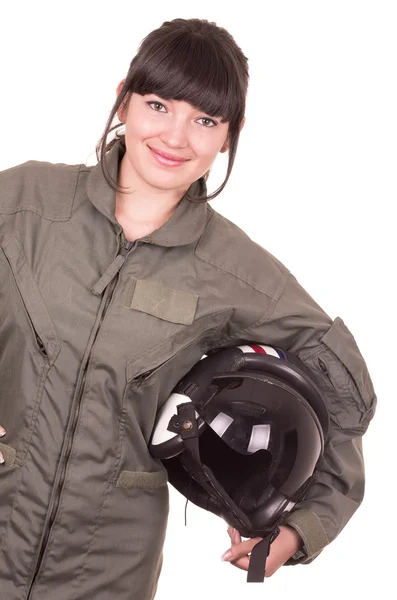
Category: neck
<point>143,204</point>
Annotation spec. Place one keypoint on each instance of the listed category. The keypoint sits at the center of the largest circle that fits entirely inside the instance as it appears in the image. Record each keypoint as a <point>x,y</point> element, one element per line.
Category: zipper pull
<point>127,247</point>
<point>113,268</point>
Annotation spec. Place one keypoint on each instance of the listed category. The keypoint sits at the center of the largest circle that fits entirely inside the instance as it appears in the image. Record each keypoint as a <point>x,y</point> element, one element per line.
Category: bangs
<point>191,69</point>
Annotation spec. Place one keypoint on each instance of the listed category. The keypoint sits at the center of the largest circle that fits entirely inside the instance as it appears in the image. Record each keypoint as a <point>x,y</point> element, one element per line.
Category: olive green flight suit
<point>94,334</point>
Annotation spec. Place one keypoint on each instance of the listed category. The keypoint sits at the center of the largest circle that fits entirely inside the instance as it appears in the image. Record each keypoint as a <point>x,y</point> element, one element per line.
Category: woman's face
<point>172,127</point>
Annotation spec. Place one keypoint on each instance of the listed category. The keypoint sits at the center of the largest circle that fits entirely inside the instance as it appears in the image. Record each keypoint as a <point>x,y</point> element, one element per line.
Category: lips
<point>168,156</point>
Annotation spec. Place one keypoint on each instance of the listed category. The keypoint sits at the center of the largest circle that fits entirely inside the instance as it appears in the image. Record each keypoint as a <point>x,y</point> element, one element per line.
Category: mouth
<point>168,160</point>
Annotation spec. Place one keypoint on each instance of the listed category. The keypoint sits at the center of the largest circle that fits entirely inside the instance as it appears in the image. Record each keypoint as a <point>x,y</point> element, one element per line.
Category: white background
<point>314,182</point>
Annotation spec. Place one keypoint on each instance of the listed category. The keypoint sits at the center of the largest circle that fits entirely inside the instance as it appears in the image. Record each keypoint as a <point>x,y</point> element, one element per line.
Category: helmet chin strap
<point>186,425</point>
<point>258,558</point>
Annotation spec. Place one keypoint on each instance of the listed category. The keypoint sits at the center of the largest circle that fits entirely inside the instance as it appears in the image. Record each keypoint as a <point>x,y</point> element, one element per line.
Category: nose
<point>174,134</point>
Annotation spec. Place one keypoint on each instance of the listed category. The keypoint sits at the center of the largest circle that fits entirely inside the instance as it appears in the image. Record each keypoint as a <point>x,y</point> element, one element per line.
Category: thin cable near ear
<point>185,511</point>
<point>187,500</point>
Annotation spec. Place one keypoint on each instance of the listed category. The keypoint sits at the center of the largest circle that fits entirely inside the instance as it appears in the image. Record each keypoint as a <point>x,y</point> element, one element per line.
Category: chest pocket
<point>178,348</point>
<point>158,321</point>
<point>151,377</point>
<point>29,344</point>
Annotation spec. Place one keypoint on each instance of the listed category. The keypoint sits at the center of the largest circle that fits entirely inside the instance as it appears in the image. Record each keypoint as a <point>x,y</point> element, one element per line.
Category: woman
<point>116,280</point>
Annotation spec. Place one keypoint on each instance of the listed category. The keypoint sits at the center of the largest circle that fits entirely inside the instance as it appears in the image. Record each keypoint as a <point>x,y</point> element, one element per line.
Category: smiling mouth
<point>167,156</point>
<point>166,162</point>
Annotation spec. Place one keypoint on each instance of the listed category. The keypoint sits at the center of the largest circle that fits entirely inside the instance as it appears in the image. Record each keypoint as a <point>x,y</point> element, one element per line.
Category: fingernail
<point>227,555</point>
<point>2,432</point>
<point>1,460</point>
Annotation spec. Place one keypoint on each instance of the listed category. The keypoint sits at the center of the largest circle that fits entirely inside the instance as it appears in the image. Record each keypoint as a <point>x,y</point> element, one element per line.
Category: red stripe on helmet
<point>258,349</point>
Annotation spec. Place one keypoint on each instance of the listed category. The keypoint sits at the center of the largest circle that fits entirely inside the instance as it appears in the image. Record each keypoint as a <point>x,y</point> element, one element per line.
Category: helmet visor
<point>254,412</point>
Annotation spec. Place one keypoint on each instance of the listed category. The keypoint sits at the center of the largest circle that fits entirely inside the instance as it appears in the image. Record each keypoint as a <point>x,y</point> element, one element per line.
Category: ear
<point>120,112</point>
<point>225,146</point>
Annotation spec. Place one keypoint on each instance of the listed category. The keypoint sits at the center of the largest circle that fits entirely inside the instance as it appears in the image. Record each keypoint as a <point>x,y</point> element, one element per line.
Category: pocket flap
<point>202,331</point>
<point>142,480</point>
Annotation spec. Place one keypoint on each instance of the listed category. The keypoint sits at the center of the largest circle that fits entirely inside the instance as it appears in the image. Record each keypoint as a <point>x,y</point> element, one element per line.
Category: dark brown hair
<point>192,60</point>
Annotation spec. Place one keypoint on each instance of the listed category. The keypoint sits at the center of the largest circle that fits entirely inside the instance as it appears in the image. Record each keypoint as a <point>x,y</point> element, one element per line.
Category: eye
<point>211,122</point>
<point>208,120</point>
<point>155,102</point>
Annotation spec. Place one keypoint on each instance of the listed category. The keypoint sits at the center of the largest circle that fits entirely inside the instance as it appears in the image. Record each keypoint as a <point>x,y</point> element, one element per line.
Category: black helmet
<point>241,435</point>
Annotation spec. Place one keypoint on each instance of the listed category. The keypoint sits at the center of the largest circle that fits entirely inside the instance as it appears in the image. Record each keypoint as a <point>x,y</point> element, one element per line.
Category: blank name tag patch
<point>160,301</point>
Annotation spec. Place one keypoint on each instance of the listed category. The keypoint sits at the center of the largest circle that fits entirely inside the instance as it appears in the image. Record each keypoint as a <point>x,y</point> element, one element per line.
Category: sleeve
<point>297,324</point>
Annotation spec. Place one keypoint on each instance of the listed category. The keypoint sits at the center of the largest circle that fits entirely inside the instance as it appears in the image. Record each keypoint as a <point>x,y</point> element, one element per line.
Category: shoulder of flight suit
<point>45,188</point>
<point>228,248</point>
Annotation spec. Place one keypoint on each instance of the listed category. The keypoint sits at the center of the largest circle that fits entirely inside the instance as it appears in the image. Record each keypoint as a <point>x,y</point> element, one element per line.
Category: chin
<point>164,179</point>
<point>162,183</point>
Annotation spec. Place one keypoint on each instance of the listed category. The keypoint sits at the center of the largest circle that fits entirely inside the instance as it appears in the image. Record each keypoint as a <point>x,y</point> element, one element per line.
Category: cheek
<point>205,155</point>
<point>141,129</point>
<point>207,146</point>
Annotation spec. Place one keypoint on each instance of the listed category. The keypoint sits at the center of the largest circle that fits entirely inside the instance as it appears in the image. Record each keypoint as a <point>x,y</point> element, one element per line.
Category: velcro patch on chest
<point>156,299</point>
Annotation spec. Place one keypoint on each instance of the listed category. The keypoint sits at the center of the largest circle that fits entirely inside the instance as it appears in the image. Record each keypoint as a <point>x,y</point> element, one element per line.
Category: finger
<point>244,562</point>
<point>237,537</point>
<point>241,563</point>
<point>274,561</point>
<point>1,458</point>
<point>241,549</point>
<point>234,535</point>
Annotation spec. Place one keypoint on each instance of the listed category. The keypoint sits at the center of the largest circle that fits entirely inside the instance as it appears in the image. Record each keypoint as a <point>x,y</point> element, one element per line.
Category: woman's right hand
<point>2,432</point>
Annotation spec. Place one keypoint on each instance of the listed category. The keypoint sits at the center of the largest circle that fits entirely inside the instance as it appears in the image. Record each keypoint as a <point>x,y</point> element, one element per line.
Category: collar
<point>185,225</point>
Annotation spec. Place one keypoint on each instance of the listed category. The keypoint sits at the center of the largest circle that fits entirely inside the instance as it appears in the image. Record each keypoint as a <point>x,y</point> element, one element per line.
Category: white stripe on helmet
<point>268,349</point>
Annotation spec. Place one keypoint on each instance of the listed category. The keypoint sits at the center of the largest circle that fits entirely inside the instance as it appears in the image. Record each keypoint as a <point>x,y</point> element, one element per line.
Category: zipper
<point>324,369</point>
<point>139,379</point>
<point>127,246</point>
<point>41,346</point>
<point>39,342</point>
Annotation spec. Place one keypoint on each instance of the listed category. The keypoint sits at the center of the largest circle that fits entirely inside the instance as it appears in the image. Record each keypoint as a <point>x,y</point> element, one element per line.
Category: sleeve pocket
<point>343,377</point>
